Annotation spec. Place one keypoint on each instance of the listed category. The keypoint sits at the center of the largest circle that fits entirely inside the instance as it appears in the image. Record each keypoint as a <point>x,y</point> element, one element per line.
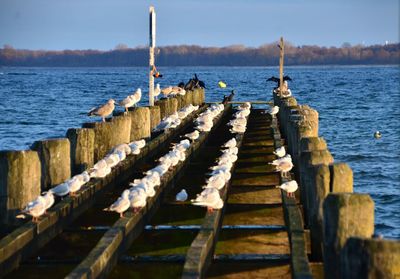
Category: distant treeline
<point>192,55</point>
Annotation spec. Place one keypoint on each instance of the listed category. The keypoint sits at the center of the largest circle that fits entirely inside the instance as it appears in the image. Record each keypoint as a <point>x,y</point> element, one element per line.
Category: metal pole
<point>152,45</point>
<point>281,55</point>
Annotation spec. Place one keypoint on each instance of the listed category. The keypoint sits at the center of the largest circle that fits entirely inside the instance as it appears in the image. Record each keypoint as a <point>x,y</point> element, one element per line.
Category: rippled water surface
<point>353,103</point>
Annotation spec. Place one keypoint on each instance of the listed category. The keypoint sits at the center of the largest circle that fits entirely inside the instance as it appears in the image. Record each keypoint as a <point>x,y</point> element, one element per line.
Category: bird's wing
<point>274,79</point>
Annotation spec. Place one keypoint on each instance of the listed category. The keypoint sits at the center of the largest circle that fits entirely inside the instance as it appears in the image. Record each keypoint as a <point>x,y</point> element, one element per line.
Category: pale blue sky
<point>102,24</point>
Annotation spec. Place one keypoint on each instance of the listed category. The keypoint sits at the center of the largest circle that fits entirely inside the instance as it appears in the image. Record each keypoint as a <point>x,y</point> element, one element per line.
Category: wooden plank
<point>298,244</point>
<point>254,195</point>
<point>250,214</point>
<point>252,242</point>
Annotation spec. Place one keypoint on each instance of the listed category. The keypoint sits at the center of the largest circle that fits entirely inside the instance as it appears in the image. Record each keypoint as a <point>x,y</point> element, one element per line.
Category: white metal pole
<point>152,45</point>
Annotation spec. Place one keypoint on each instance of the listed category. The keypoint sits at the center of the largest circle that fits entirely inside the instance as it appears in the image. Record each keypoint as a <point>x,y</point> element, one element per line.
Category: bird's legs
<point>121,214</point>
<point>104,120</point>
<point>210,209</point>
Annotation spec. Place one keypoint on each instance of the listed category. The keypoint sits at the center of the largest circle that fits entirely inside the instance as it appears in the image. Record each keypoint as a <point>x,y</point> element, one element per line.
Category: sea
<point>353,103</point>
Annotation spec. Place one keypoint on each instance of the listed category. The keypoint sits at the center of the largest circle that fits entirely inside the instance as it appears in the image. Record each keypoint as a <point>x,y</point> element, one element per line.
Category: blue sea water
<point>353,102</point>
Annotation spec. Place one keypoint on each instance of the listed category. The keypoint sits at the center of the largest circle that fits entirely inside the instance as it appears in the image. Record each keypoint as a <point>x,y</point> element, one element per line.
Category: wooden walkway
<point>258,234</point>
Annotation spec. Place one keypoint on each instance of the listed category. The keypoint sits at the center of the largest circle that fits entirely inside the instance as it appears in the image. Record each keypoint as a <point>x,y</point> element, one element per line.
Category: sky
<point>103,24</point>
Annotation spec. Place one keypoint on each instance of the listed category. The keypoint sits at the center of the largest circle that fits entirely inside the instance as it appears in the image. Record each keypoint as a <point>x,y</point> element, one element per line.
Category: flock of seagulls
<point>107,109</point>
<point>175,119</point>
<point>239,123</point>
<point>141,189</point>
<point>221,172</point>
<point>205,121</point>
<point>102,168</point>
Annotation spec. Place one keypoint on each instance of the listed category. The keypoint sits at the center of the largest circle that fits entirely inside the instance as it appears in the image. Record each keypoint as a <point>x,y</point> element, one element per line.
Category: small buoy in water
<point>377,135</point>
<point>221,84</point>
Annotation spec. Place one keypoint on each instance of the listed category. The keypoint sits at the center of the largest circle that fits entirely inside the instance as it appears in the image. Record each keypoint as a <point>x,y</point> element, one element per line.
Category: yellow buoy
<point>221,84</point>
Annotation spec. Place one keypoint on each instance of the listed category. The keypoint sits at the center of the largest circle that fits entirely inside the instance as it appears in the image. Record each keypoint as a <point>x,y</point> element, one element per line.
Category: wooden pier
<point>259,233</point>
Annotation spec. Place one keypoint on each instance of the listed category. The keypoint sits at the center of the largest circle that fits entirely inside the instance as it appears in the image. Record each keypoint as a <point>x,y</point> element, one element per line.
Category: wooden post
<point>281,54</point>
<point>152,45</point>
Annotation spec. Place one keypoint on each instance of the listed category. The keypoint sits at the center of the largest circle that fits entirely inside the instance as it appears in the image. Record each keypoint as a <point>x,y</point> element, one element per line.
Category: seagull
<point>61,189</point>
<point>137,96</point>
<point>139,183</point>
<point>35,208</point>
<point>216,181</point>
<point>157,91</point>
<point>230,143</point>
<point>280,152</point>
<point>103,110</point>
<point>289,187</point>
<point>273,111</point>
<point>112,160</point>
<point>77,182</point>
<point>377,135</point>
<point>176,90</point>
<point>209,198</point>
<point>128,102</point>
<point>137,198</point>
<point>286,158</point>
<point>166,91</point>
<point>239,129</point>
<point>284,167</point>
<point>193,135</point>
<point>181,196</point>
<point>137,144</point>
<point>121,204</point>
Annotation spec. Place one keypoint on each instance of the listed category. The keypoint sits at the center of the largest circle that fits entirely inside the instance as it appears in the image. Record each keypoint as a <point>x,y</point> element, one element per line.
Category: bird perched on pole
<point>277,80</point>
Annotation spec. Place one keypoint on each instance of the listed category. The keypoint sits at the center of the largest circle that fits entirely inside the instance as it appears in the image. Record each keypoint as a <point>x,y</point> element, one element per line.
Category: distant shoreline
<point>195,56</point>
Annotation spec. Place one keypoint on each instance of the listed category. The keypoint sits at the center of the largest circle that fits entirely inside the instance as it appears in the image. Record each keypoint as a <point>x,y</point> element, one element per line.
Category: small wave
<point>22,74</point>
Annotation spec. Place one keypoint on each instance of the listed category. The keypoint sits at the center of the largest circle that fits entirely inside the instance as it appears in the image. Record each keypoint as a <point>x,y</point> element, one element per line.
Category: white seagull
<point>230,143</point>
<point>181,196</point>
<point>35,208</point>
<point>273,111</point>
<point>209,198</point>
<point>121,204</point>
<point>289,187</point>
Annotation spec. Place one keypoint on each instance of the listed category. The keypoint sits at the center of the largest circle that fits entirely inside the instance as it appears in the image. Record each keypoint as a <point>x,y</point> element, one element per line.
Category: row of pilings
<point>341,222</point>
<point>24,174</point>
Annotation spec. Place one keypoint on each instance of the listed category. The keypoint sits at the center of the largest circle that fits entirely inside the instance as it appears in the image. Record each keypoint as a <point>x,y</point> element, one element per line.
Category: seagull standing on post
<point>103,110</point>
